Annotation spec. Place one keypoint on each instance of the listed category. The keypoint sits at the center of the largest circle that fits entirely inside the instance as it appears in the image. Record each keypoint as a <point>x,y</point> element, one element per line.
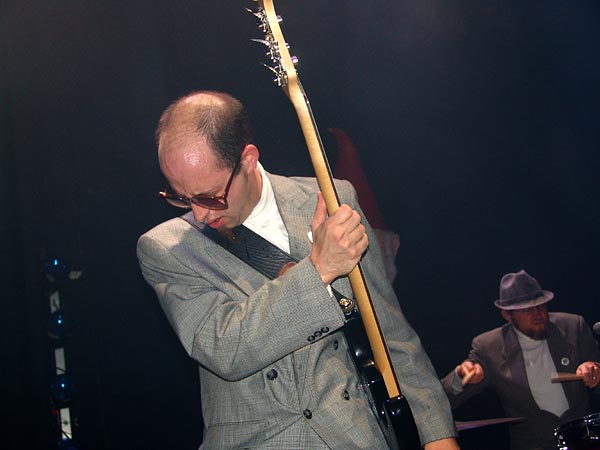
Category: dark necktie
<point>257,252</point>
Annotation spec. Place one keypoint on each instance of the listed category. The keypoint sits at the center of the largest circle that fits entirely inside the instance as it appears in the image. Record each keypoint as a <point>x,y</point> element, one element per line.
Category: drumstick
<point>562,377</point>
<point>464,380</point>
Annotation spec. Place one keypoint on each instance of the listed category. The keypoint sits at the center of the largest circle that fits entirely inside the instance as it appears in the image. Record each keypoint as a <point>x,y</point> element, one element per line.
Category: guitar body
<point>393,414</point>
<point>362,330</point>
<point>402,423</point>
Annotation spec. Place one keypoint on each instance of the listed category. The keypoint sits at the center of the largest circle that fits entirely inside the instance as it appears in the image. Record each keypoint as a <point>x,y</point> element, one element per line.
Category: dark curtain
<point>476,122</point>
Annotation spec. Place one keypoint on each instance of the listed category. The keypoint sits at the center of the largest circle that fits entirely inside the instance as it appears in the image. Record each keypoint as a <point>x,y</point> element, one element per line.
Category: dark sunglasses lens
<point>209,203</point>
<point>177,202</point>
<point>174,200</point>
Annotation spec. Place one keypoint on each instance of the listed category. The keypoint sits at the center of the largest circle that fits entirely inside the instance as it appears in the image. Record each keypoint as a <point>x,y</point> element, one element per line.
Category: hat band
<point>521,298</point>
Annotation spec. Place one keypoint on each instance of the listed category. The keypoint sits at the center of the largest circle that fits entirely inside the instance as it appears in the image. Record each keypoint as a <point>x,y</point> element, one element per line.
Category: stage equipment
<point>61,390</point>
<point>57,325</point>
<point>57,274</point>
<point>579,434</point>
<point>58,271</point>
<point>472,424</point>
<point>66,444</point>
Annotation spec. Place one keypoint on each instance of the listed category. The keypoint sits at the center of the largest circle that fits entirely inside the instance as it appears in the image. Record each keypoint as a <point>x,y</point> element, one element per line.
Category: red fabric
<point>348,167</point>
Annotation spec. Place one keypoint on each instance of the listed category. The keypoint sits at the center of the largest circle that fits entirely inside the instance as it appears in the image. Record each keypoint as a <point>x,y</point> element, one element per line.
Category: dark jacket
<point>571,342</point>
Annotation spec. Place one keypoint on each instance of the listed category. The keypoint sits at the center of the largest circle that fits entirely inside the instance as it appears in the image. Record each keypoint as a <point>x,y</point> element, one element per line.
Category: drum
<point>579,434</point>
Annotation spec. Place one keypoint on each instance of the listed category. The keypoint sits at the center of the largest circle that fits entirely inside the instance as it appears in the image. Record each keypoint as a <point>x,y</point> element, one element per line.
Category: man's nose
<point>199,212</point>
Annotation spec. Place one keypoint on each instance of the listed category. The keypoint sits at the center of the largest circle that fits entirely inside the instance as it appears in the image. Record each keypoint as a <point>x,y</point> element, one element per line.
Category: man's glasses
<point>214,202</point>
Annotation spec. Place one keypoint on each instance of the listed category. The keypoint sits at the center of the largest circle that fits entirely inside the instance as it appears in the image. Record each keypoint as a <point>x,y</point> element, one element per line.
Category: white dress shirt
<point>265,219</point>
<point>540,368</point>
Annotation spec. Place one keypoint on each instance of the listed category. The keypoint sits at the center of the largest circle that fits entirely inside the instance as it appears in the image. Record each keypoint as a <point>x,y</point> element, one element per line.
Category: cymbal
<point>471,424</point>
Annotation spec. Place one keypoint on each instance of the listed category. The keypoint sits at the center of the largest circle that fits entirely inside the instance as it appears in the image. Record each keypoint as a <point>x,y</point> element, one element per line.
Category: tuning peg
<point>272,69</point>
<point>280,75</point>
<point>295,60</point>
<point>272,53</point>
<point>254,13</point>
<point>262,41</point>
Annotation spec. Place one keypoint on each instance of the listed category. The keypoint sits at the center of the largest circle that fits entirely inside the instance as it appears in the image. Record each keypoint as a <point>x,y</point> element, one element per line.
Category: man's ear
<point>506,315</point>
<point>250,156</point>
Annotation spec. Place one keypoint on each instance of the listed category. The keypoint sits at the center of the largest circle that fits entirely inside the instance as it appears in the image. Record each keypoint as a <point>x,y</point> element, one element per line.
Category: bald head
<point>215,119</point>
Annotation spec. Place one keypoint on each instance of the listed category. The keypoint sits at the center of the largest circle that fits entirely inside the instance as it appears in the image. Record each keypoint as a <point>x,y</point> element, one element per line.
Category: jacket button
<point>336,344</point>
<point>310,338</point>
<point>307,413</point>
<point>325,330</point>
<point>346,395</point>
<point>318,334</point>
<point>272,374</point>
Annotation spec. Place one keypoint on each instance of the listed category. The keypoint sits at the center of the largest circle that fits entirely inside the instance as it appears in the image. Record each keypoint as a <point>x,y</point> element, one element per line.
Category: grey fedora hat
<point>520,290</point>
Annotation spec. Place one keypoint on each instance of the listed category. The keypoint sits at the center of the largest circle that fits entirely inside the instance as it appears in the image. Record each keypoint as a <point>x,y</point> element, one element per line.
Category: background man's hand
<point>590,372</point>
<point>470,372</point>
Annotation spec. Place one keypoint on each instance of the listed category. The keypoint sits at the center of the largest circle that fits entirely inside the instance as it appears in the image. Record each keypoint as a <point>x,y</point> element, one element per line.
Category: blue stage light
<point>66,444</point>
<point>61,390</point>
<point>57,270</point>
<point>58,325</point>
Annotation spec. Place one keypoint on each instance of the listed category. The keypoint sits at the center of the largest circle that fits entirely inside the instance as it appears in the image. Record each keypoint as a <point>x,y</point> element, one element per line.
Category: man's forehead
<point>194,161</point>
<point>188,146</point>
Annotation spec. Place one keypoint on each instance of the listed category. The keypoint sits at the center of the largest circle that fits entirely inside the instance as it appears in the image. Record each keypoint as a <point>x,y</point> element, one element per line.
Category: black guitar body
<point>394,414</point>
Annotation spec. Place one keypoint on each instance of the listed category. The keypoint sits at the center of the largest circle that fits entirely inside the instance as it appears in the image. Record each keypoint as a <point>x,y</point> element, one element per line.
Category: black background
<point>476,123</point>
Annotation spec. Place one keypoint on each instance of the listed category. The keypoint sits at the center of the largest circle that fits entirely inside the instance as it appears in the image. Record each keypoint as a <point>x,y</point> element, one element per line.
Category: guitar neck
<point>357,280</point>
<point>287,78</point>
<point>316,150</point>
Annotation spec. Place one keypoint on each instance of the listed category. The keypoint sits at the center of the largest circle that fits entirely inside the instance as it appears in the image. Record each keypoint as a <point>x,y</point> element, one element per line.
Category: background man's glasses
<point>214,202</point>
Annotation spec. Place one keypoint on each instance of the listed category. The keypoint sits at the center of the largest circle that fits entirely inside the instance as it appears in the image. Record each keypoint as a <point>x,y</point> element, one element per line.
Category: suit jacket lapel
<point>292,203</point>
<point>562,353</point>
<point>514,357</point>
<point>245,277</point>
<point>296,211</point>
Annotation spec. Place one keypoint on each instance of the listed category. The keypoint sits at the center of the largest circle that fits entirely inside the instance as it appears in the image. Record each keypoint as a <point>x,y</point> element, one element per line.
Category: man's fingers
<point>465,367</point>
<point>468,375</point>
<point>590,372</point>
<point>320,212</point>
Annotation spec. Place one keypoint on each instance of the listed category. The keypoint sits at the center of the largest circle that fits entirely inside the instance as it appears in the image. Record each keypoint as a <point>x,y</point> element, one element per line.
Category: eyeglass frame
<point>186,202</point>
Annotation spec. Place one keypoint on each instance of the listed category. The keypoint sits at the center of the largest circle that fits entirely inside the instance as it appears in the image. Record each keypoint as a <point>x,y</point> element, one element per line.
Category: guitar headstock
<point>283,65</point>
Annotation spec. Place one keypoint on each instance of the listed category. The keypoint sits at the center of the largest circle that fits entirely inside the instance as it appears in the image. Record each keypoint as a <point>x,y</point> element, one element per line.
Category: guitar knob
<point>347,305</point>
<point>295,60</point>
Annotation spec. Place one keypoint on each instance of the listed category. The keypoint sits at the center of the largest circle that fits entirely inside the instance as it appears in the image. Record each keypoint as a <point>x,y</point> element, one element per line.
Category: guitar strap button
<point>346,304</point>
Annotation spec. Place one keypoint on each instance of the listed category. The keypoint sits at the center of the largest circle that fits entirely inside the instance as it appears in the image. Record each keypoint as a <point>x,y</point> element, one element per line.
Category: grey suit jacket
<point>570,341</point>
<point>264,382</point>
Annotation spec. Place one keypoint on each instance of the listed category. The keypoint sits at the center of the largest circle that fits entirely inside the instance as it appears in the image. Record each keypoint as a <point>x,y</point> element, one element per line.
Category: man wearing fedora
<point>518,360</point>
